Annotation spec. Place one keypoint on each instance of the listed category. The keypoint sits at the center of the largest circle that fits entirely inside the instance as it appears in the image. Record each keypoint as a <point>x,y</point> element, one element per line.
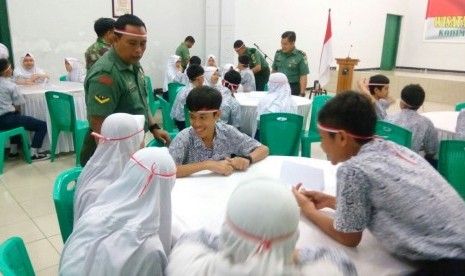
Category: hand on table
<point>239,163</point>
<point>220,167</point>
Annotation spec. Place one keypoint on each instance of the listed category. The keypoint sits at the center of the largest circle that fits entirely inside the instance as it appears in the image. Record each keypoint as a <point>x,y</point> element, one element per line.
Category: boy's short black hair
<point>352,112</point>
<point>413,95</point>
<point>103,25</point>
<point>290,35</point>
<point>128,19</point>
<point>194,71</point>
<point>377,81</point>
<point>190,39</point>
<point>4,63</point>
<point>195,60</point>
<point>203,98</point>
<point>238,44</point>
<point>232,76</point>
<point>243,60</point>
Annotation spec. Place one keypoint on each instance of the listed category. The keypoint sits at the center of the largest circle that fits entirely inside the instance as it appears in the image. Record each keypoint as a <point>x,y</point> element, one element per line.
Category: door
<point>5,37</point>
<point>391,42</point>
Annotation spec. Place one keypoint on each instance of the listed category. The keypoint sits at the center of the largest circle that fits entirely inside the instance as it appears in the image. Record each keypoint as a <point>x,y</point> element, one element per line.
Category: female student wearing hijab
<point>28,72</point>
<point>258,237</point>
<point>75,69</point>
<point>173,72</point>
<point>121,135</point>
<point>212,77</point>
<point>128,229</point>
<point>278,98</point>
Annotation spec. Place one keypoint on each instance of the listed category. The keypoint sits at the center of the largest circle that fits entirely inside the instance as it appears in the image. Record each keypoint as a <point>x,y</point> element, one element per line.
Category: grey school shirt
<point>380,108</point>
<point>424,134</point>
<point>460,127</point>
<point>402,200</point>
<point>9,96</point>
<point>187,147</point>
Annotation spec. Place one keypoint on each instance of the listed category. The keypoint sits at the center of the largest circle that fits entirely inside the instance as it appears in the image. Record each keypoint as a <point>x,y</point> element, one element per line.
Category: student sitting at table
<point>10,115</point>
<point>389,189</point>
<point>209,144</point>
<point>230,107</point>
<point>212,77</point>
<point>247,76</point>
<point>258,237</point>
<point>211,61</point>
<point>378,89</point>
<point>75,69</point>
<point>127,231</point>
<point>424,135</point>
<point>460,127</point>
<point>196,79</point>
<point>173,72</point>
<point>121,135</point>
<point>28,72</point>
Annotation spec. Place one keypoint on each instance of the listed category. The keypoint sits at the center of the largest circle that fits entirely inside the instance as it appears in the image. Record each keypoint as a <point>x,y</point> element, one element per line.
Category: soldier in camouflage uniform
<point>104,28</point>
<point>292,63</point>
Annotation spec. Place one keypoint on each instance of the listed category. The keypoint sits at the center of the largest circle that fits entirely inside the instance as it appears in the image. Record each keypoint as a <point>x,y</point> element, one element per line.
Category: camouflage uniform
<point>95,51</point>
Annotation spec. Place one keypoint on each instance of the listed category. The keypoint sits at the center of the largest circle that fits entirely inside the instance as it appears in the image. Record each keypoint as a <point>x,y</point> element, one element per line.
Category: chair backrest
<point>14,259</point>
<point>187,119</point>
<point>281,133</point>
<point>151,98</point>
<point>165,106</point>
<point>317,103</point>
<point>451,163</point>
<point>394,133</point>
<point>155,143</point>
<point>63,197</point>
<point>459,106</point>
<point>173,89</point>
<point>61,110</point>
<point>63,78</point>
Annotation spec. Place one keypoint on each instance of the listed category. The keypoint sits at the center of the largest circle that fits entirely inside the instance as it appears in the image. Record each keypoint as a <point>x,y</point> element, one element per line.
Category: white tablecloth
<point>444,122</point>
<point>36,106</point>
<point>249,102</point>
<point>199,201</point>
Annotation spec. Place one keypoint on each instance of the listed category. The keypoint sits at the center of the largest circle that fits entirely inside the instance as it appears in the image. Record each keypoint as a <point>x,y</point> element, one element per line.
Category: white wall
<point>53,29</point>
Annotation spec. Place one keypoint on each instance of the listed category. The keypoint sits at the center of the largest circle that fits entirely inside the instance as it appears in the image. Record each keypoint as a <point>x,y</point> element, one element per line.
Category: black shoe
<point>13,156</point>
<point>40,157</point>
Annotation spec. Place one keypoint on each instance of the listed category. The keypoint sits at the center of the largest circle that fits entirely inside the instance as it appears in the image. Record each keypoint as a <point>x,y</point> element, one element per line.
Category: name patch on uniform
<point>101,99</point>
<point>132,89</point>
<point>106,80</point>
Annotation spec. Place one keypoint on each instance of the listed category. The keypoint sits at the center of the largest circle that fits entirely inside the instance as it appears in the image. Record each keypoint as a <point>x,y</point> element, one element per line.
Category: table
<point>444,122</point>
<point>249,102</point>
<point>36,106</point>
<point>199,201</point>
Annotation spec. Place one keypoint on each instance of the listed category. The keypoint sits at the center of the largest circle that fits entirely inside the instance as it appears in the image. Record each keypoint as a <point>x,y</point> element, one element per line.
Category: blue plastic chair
<point>311,135</point>
<point>394,133</point>
<point>280,132</point>
<point>14,260</point>
<point>63,197</point>
<point>5,135</point>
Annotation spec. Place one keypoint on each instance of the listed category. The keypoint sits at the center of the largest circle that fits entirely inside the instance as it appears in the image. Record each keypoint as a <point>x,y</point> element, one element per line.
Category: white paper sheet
<point>312,178</point>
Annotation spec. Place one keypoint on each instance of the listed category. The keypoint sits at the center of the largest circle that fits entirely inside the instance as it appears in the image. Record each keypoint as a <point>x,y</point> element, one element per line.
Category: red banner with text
<point>445,21</point>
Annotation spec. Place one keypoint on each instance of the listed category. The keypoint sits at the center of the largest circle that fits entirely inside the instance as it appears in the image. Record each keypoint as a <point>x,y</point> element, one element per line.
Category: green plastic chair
<point>63,118</point>
<point>63,78</point>
<point>459,106</point>
<point>14,260</point>
<point>173,89</point>
<point>187,119</point>
<point>155,143</point>
<point>394,133</point>
<point>5,135</point>
<point>168,123</point>
<point>154,105</point>
<point>311,135</point>
<point>280,132</point>
<point>451,163</point>
<point>63,197</point>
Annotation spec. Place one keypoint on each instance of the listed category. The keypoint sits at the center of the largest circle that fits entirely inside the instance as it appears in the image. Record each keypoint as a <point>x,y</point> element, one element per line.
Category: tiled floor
<point>27,210</point>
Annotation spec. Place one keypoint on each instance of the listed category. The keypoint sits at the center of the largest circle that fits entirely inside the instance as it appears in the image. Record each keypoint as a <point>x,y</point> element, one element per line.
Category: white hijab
<point>128,229</point>
<point>21,72</point>
<point>227,67</point>
<point>278,98</point>
<point>208,58</point>
<point>258,237</point>
<point>171,72</point>
<point>78,72</point>
<point>4,52</point>
<point>209,71</point>
<point>121,136</point>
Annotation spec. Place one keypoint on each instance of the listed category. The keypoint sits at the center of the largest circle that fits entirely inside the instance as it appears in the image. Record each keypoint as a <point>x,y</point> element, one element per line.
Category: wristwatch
<point>246,157</point>
<point>154,126</point>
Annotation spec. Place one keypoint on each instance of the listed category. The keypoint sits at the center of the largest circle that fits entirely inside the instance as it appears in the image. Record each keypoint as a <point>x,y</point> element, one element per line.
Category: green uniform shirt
<point>95,51</point>
<point>183,52</point>
<point>113,86</point>
<point>256,58</point>
<point>293,64</point>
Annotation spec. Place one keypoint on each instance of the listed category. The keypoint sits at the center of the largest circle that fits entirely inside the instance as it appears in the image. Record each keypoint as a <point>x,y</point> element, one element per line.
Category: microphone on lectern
<point>350,49</point>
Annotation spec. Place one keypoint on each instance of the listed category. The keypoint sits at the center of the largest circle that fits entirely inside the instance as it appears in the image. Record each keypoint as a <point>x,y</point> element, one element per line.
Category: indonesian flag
<point>445,21</point>
<point>326,54</point>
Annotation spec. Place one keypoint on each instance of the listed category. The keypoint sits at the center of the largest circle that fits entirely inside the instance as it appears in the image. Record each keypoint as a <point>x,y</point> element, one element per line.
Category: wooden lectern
<point>345,73</point>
